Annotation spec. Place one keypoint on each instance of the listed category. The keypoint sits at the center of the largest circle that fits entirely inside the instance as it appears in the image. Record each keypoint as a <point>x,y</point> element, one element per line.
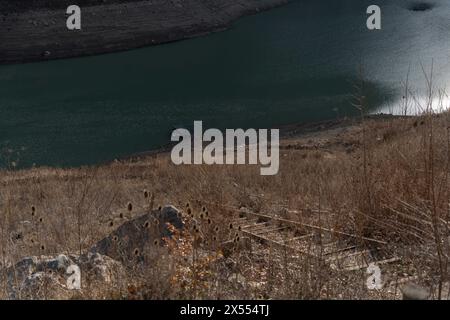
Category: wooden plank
<point>340,250</point>
<point>378,263</point>
<point>282,245</point>
<point>317,228</point>
<point>350,255</point>
<point>306,236</point>
<point>270,230</point>
<point>254,225</point>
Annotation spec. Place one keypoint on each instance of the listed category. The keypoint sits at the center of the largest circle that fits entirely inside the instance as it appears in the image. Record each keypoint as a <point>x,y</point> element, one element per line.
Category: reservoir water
<point>297,63</point>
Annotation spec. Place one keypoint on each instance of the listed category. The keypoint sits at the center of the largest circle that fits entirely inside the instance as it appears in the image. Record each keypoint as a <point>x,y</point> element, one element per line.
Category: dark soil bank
<point>29,5</point>
<point>33,30</point>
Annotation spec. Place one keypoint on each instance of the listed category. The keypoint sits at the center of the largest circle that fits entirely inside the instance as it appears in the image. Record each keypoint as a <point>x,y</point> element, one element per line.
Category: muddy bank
<point>34,35</point>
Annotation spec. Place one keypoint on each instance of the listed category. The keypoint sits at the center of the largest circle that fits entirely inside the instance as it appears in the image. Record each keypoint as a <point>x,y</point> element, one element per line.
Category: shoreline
<point>295,136</point>
<point>42,35</point>
<point>288,132</point>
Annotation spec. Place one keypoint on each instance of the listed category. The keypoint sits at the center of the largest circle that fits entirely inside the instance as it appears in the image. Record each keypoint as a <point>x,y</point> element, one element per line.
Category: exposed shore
<point>42,34</point>
<point>340,135</point>
<point>294,135</point>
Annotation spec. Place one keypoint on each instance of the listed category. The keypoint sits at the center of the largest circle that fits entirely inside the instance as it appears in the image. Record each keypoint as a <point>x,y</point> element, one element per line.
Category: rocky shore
<point>41,34</point>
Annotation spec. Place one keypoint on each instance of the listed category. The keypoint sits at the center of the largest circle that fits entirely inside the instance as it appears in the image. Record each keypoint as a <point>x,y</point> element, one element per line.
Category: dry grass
<point>382,178</point>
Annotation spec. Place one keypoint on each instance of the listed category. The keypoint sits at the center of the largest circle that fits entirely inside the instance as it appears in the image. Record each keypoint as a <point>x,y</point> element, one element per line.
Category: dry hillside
<point>352,191</point>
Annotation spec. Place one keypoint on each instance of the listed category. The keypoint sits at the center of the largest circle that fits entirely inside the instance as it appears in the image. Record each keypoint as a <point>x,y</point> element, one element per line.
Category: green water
<point>298,63</point>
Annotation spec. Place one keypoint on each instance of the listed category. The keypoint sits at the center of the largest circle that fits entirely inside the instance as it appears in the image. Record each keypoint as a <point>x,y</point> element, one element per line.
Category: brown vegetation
<point>385,179</point>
